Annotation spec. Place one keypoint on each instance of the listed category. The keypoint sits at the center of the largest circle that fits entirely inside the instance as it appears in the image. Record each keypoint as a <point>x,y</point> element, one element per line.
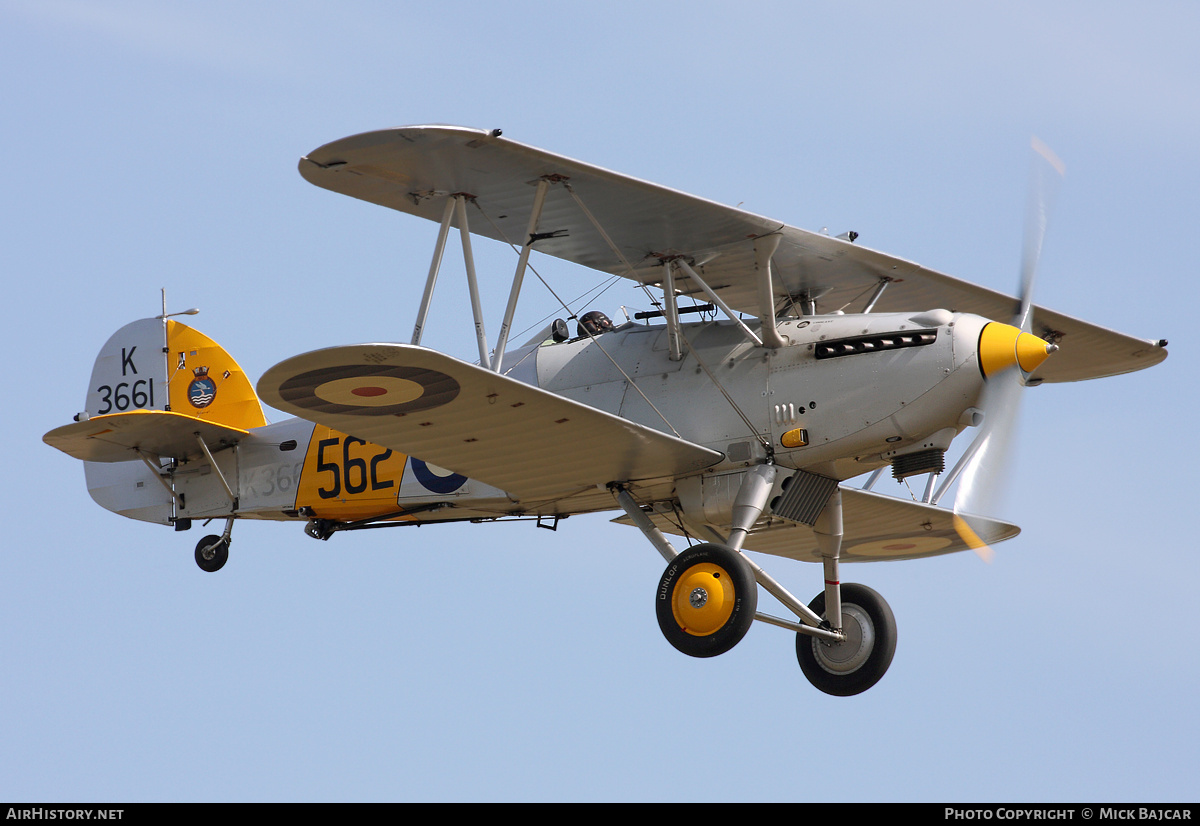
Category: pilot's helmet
<point>594,322</point>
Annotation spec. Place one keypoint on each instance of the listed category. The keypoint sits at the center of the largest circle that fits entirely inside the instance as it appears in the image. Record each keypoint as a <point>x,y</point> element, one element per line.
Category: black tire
<point>849,668</point>
<point>721,611</point>
<point>212,552</point>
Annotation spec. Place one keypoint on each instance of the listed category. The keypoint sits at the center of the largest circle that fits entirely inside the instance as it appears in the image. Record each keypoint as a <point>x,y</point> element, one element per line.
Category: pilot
<point>594,323</point>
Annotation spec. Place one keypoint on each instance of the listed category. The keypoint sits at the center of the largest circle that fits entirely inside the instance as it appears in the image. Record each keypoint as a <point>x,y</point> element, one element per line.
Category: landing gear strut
<point>708,596</point>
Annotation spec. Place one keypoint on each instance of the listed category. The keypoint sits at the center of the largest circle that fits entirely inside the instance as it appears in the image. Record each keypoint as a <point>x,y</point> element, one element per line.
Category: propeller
<point>1008,353</point>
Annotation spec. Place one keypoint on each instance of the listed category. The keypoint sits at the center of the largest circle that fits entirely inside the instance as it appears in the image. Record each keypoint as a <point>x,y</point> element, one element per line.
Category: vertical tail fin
<point>152,365</point>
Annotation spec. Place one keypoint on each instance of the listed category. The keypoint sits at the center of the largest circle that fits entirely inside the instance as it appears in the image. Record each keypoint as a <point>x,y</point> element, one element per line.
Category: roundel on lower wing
<point>436,479</point>
<point>368,390</point>
<point>900,547</point>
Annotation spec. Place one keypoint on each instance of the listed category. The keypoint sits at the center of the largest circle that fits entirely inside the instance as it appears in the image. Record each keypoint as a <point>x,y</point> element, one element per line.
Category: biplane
<point>773,366</point>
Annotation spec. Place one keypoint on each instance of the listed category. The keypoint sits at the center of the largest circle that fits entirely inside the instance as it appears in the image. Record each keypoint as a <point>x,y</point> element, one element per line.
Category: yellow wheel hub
<point>703,599</point>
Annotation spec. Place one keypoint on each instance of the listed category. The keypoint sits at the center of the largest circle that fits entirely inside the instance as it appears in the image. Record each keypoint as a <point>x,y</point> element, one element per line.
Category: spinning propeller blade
<point>1046,174</point>
<point>1007,355</point>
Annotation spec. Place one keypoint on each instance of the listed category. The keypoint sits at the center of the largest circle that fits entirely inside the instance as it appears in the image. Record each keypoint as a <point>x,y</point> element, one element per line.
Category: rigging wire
<point>629,270</point>
<point>621,370</point>
<point>582,298</point>
<point>712,377</point>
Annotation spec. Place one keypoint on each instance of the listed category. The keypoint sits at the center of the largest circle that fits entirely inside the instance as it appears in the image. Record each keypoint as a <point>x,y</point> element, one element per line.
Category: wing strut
<point>883,282</point>
<point>431,280</point>
<point>764,249</point>
<point>539,199</point>
<point>456,207</point>
<point>460,209</point>
<point>671,313</point>
<point>716,299</point>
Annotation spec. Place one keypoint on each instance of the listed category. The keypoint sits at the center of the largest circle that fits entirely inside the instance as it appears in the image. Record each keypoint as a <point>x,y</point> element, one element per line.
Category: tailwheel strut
<point>212,552</point>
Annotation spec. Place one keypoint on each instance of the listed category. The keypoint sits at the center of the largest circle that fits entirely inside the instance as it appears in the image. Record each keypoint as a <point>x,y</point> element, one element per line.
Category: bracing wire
<point>607,355</point>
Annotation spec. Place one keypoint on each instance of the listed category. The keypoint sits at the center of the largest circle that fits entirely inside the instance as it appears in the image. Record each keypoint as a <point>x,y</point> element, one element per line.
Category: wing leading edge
<point>412,170</point>
<point>524,440</point>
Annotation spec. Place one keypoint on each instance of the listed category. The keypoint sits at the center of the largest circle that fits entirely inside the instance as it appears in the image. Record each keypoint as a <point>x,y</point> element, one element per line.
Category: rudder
<point>149,365</point>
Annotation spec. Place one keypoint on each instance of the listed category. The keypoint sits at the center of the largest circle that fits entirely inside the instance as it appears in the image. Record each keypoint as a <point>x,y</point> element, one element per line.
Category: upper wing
<point>412,169</point>
<point>118,437</point>
<point>522,439</point>
<point>875,528</point>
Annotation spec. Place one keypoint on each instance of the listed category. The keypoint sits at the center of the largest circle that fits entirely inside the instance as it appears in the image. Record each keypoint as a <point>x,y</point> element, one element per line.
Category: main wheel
<point>706,600</point>
<point>212,552</point>
<point>851,667</point>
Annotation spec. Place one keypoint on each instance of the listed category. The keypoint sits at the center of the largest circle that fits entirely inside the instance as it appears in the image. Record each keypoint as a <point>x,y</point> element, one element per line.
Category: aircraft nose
<point>1002,346</point>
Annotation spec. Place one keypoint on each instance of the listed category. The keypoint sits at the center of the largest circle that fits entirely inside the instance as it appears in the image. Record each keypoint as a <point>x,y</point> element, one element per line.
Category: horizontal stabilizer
<point>876,528</point>
<point>517,437</point>
<point>118,437</point>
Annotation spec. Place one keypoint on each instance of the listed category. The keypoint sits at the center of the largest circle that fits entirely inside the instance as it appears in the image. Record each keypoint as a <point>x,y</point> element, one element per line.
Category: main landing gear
<point>707,597</point>
<point>212,552</point>
<point>706,600</point>
<point>860,660</point>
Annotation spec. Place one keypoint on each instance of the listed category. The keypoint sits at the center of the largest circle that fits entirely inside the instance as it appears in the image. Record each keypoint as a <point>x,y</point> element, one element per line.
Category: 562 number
<point>352,473</point>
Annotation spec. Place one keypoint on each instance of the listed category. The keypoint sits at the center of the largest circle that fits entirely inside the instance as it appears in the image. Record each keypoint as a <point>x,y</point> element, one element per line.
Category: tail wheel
<point>706,600</point>
<point>212,552</point>
<point>850,667</point>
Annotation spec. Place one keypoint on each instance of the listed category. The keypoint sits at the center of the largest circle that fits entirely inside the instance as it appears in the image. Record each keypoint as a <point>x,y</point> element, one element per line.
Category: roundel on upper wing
<point>436,479</point>
<point>368,390</point>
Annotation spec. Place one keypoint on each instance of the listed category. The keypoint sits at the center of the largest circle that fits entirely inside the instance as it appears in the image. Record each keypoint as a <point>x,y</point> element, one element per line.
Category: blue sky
<point>154,146</point>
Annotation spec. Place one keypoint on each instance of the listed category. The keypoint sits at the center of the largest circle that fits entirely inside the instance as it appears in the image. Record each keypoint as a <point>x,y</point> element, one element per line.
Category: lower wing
<point>524,440</point>
<point>875,528</point>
